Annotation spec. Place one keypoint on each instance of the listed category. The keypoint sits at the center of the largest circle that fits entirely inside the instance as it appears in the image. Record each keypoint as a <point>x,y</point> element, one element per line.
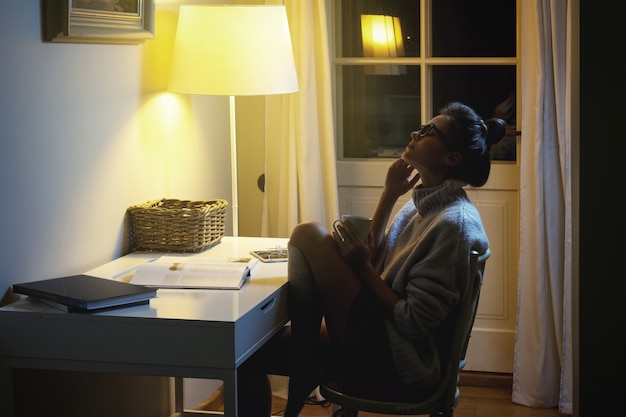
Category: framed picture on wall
<point>98,21</point>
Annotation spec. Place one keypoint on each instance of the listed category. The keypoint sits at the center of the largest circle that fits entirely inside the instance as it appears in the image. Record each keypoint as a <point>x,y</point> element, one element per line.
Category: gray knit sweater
<point>425,260</point>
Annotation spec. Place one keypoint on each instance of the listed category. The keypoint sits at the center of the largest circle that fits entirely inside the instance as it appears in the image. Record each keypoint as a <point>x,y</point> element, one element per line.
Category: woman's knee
<point>307,234</point>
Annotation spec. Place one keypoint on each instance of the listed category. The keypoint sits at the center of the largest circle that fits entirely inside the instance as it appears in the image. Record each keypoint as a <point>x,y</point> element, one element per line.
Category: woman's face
<point>427,150</point>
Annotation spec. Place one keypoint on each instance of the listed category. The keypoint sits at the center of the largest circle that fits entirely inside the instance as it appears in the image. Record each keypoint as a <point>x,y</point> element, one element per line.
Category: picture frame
<point>101,21</point>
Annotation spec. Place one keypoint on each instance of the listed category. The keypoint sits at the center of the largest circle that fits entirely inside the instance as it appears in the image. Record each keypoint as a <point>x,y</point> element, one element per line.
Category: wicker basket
<point>169,225</point>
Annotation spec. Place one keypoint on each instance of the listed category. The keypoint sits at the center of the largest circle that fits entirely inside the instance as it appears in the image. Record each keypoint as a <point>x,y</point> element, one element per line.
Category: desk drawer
<point>260,324</point>
<point>143,341</point>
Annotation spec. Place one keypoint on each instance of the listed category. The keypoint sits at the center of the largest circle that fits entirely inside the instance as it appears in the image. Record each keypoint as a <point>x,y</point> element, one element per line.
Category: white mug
<point>361,224</point>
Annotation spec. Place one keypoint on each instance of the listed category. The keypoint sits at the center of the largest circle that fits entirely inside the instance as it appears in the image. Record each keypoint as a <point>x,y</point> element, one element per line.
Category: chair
<point>446,397</point>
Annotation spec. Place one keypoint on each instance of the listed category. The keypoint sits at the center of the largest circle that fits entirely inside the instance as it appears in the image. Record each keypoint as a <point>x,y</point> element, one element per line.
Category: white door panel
<point>493,338</point>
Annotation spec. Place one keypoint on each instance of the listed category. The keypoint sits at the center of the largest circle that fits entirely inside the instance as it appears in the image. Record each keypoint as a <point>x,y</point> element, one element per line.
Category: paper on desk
<point>195,272</point>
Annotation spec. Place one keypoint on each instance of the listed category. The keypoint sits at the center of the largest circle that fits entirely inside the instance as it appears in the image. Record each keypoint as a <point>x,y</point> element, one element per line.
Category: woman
<point>384,303</point>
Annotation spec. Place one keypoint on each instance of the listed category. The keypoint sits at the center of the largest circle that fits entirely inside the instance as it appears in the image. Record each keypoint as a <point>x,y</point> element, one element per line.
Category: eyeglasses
<point>424,130</point>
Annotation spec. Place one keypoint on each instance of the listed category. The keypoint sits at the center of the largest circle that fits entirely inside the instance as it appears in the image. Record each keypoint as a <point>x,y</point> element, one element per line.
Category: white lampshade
<point>233,50</point>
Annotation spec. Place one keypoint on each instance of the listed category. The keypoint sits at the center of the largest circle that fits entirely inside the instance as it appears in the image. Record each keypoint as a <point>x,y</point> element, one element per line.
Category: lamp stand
<point>233,166</point>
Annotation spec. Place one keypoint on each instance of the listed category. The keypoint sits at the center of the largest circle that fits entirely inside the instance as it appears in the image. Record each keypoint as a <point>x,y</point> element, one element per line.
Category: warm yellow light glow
<point>382,38</point>
<point>380,34</point>
<point>167,119</point>
<point>172,113</point>
<point>399,39</point>
<point>157,54</point>
<point>233,50</point>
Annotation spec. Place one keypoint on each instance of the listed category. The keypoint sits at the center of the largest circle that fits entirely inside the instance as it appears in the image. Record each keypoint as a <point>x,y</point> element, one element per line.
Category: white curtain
<point>300,170</point>
<point>543,351</point>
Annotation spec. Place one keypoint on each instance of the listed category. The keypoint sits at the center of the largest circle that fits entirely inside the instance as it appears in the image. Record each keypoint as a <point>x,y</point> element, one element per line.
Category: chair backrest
<point>464,322</point>
<point>445,398</point>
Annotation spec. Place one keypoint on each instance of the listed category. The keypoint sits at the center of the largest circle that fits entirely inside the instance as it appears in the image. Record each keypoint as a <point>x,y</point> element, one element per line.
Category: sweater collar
<point>431,199</point>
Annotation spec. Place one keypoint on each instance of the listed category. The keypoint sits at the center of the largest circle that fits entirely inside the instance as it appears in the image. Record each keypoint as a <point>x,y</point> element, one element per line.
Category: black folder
<point>86,293</point>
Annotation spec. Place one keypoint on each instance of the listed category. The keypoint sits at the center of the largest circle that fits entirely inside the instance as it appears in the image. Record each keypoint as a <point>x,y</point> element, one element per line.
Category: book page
<point>194,272</point>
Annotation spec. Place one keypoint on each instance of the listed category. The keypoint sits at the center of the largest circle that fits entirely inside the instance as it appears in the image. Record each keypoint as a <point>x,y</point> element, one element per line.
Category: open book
<point>195,272</point>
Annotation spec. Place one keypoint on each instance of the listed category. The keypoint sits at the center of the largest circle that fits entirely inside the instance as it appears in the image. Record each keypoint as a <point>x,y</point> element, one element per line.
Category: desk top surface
<point>225,306</point>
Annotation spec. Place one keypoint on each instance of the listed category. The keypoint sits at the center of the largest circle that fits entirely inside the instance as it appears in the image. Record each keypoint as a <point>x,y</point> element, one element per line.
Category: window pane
<point>477,28</point>
<point>379,40</point>
<point>490,90</point>
<point>379,111</point>
<point>379,104</point>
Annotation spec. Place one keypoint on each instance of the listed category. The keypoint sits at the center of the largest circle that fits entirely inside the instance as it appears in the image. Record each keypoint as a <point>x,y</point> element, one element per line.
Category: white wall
<point>86,131</point>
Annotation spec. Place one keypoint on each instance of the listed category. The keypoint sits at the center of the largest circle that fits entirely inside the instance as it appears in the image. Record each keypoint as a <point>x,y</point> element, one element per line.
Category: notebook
<point>85,293</point>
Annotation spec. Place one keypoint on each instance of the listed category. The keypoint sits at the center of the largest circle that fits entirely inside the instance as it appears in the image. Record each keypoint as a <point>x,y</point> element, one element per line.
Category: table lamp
<point>233,50</point>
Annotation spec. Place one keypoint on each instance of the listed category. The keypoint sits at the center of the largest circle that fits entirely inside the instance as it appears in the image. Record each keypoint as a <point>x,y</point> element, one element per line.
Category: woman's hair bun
<point>496,129</point>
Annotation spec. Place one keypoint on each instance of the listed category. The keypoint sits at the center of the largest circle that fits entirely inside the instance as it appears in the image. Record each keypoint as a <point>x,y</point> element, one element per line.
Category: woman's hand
<point>399,180</point>
<point>351,248</point>
<point>356,255</point>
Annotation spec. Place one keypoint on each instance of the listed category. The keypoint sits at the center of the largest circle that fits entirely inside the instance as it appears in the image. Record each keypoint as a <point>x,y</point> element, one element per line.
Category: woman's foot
<point>300,389</point>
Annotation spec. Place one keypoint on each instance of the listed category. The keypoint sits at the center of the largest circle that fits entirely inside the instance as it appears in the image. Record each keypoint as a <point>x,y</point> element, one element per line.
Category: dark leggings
<point>366,366</point>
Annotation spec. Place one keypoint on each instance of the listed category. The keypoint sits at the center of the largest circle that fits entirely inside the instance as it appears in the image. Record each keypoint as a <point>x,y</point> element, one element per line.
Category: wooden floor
<point>474,402</point>
<point>482,395</point>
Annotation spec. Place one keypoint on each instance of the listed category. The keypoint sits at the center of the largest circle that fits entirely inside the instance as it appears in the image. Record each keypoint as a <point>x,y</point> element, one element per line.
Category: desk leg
<point>230,394</point>
<point>230,397</point>
<point>179,396</point>
<point>6,389</point>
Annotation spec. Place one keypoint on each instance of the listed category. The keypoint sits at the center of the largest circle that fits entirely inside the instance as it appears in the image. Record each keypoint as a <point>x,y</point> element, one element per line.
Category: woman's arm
<point>397,183</point>
<point>359,256</point>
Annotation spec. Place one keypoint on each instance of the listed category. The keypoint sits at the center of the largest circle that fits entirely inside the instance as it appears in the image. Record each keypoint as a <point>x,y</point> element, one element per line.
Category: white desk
<point>181,333</point>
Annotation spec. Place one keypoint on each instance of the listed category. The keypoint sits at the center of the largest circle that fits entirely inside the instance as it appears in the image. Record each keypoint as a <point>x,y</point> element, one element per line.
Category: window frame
<point>425,61</point>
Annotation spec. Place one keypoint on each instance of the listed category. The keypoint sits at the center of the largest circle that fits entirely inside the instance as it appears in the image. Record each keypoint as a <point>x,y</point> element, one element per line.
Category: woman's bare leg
<point>319,283</point>
<point>336,283</point>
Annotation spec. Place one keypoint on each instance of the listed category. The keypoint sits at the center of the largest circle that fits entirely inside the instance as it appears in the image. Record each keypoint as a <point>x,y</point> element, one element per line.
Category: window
<point>398,62</point>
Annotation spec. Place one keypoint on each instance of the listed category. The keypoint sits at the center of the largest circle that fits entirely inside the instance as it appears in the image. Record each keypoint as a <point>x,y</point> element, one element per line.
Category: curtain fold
<point>543,359</point>
<point>300,168</point>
